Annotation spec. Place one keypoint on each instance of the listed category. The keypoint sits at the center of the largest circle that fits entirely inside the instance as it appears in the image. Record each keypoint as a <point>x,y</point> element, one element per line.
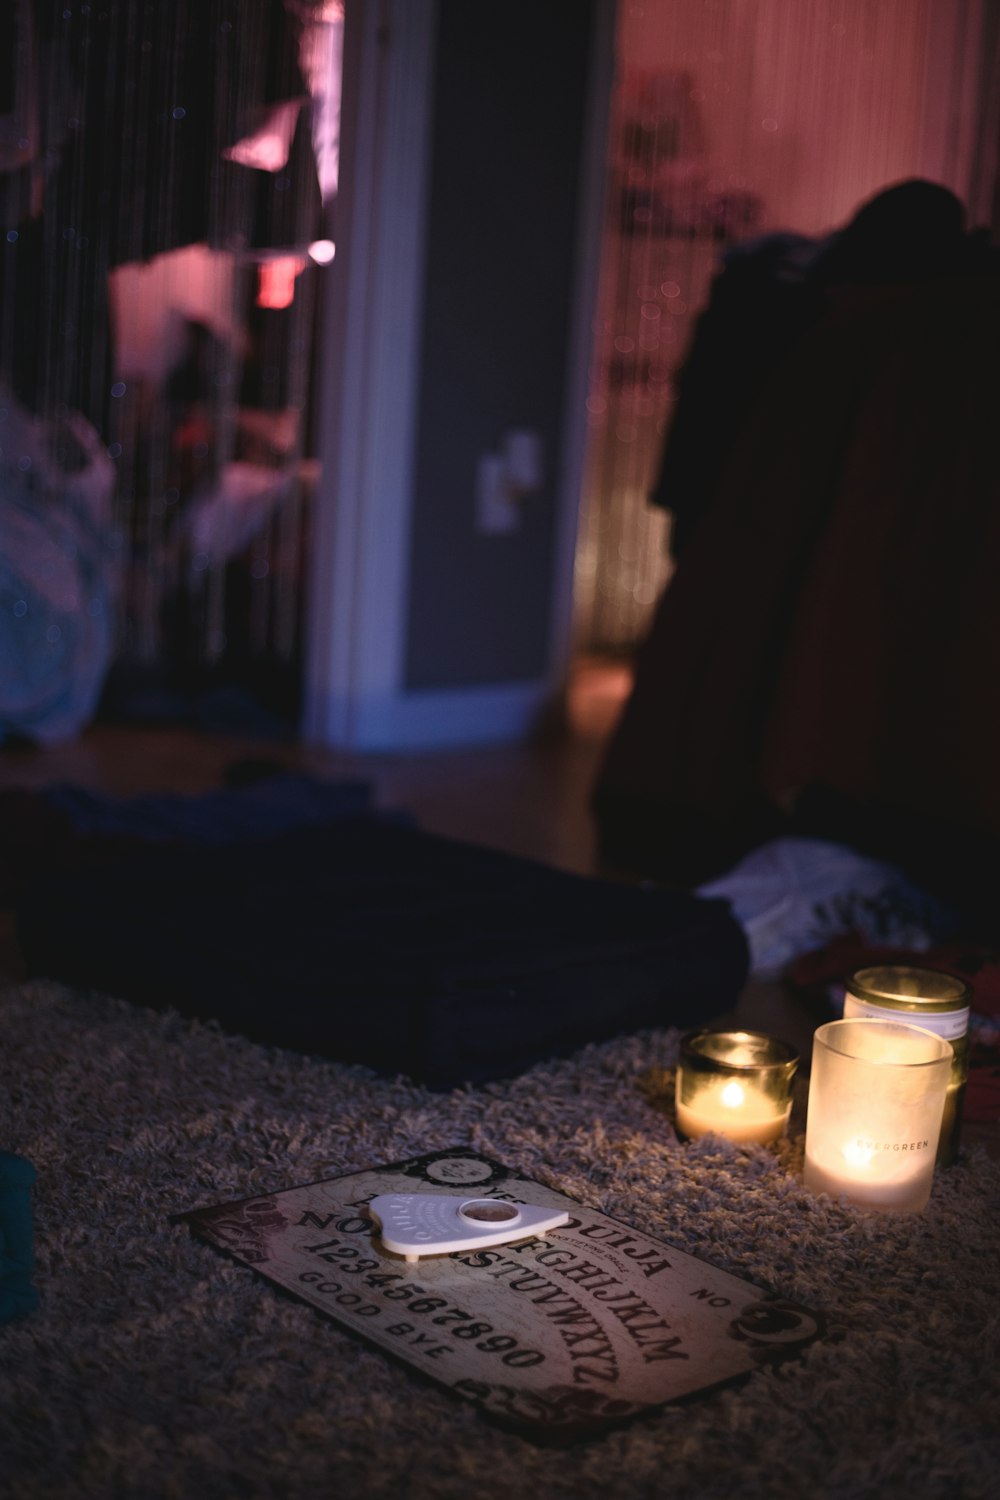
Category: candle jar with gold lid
<point>930,998</point>
<point>734,1083</point>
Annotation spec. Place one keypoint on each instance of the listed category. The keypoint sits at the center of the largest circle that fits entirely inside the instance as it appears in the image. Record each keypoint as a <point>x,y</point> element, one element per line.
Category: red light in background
<point>276,281</point>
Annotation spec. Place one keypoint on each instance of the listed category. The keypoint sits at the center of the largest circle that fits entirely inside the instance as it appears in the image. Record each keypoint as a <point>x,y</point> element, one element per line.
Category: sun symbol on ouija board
<point>458,1167</point>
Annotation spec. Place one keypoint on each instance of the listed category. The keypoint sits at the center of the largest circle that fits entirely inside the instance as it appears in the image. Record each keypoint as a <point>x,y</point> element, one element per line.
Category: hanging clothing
<point>833,622</point>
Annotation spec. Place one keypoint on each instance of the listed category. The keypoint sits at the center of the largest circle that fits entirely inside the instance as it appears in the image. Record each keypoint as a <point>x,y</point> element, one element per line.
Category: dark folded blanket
<point>371,942</point>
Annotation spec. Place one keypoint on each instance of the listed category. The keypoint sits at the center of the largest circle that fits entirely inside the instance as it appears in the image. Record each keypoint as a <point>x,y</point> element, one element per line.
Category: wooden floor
<point>531,801</point>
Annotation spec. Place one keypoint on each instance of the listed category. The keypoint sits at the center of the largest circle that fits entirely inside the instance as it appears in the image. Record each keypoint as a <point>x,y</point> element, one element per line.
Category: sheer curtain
<point>734,118</point>
<point>167,171</point>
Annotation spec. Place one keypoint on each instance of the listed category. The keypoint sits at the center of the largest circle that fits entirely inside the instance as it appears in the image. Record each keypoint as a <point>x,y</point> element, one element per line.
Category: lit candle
<point>734,1083</point>
<point>734,1110</point>
<point>876,1098</point>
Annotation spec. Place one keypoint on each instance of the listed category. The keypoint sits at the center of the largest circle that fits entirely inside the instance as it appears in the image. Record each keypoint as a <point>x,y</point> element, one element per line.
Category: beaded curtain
<point>168,171</point>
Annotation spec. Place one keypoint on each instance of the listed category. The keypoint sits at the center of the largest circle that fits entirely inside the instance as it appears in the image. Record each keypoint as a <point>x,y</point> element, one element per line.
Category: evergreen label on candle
<point>869,1148</point>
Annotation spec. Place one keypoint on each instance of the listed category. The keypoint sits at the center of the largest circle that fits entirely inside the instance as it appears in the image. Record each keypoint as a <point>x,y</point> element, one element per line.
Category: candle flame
<point>732,1095</point>
<point>858,1154</point>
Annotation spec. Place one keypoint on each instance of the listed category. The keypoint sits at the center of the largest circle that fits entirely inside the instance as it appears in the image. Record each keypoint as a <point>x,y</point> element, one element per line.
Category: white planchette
<point>416,1224</point>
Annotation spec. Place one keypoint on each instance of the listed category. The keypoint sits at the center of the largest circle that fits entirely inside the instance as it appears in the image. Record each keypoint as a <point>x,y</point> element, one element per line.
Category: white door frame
<point>355,695</point>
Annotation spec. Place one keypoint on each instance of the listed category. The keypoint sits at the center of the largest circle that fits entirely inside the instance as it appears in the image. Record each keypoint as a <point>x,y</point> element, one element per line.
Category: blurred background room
<point>345,346</point>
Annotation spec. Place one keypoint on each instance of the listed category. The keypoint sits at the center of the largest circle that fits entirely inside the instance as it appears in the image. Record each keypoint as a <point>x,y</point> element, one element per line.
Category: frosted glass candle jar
<point>876,1098</point>
<point>921,997</point>
<point>734,1083</point>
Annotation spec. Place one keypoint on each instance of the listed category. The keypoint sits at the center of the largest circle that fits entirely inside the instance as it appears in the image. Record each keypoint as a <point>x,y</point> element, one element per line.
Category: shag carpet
<point>157,1369</point>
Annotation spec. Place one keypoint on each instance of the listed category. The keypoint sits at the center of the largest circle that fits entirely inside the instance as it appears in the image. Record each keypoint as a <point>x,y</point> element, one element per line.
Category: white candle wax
<point>894,1180</point>
<point>734,1109</point>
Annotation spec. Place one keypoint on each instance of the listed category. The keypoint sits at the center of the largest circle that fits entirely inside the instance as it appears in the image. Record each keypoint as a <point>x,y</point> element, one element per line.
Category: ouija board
<point>558,1336</point>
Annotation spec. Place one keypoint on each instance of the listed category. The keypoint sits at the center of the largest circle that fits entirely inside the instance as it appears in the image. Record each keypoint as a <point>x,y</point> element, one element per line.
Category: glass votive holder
<point>876,1098</point>
<point>931,998</point>
<point>734,1083</point>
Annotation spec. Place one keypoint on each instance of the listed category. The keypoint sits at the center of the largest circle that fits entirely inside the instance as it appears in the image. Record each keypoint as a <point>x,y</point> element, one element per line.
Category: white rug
<point>155,1367</point>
